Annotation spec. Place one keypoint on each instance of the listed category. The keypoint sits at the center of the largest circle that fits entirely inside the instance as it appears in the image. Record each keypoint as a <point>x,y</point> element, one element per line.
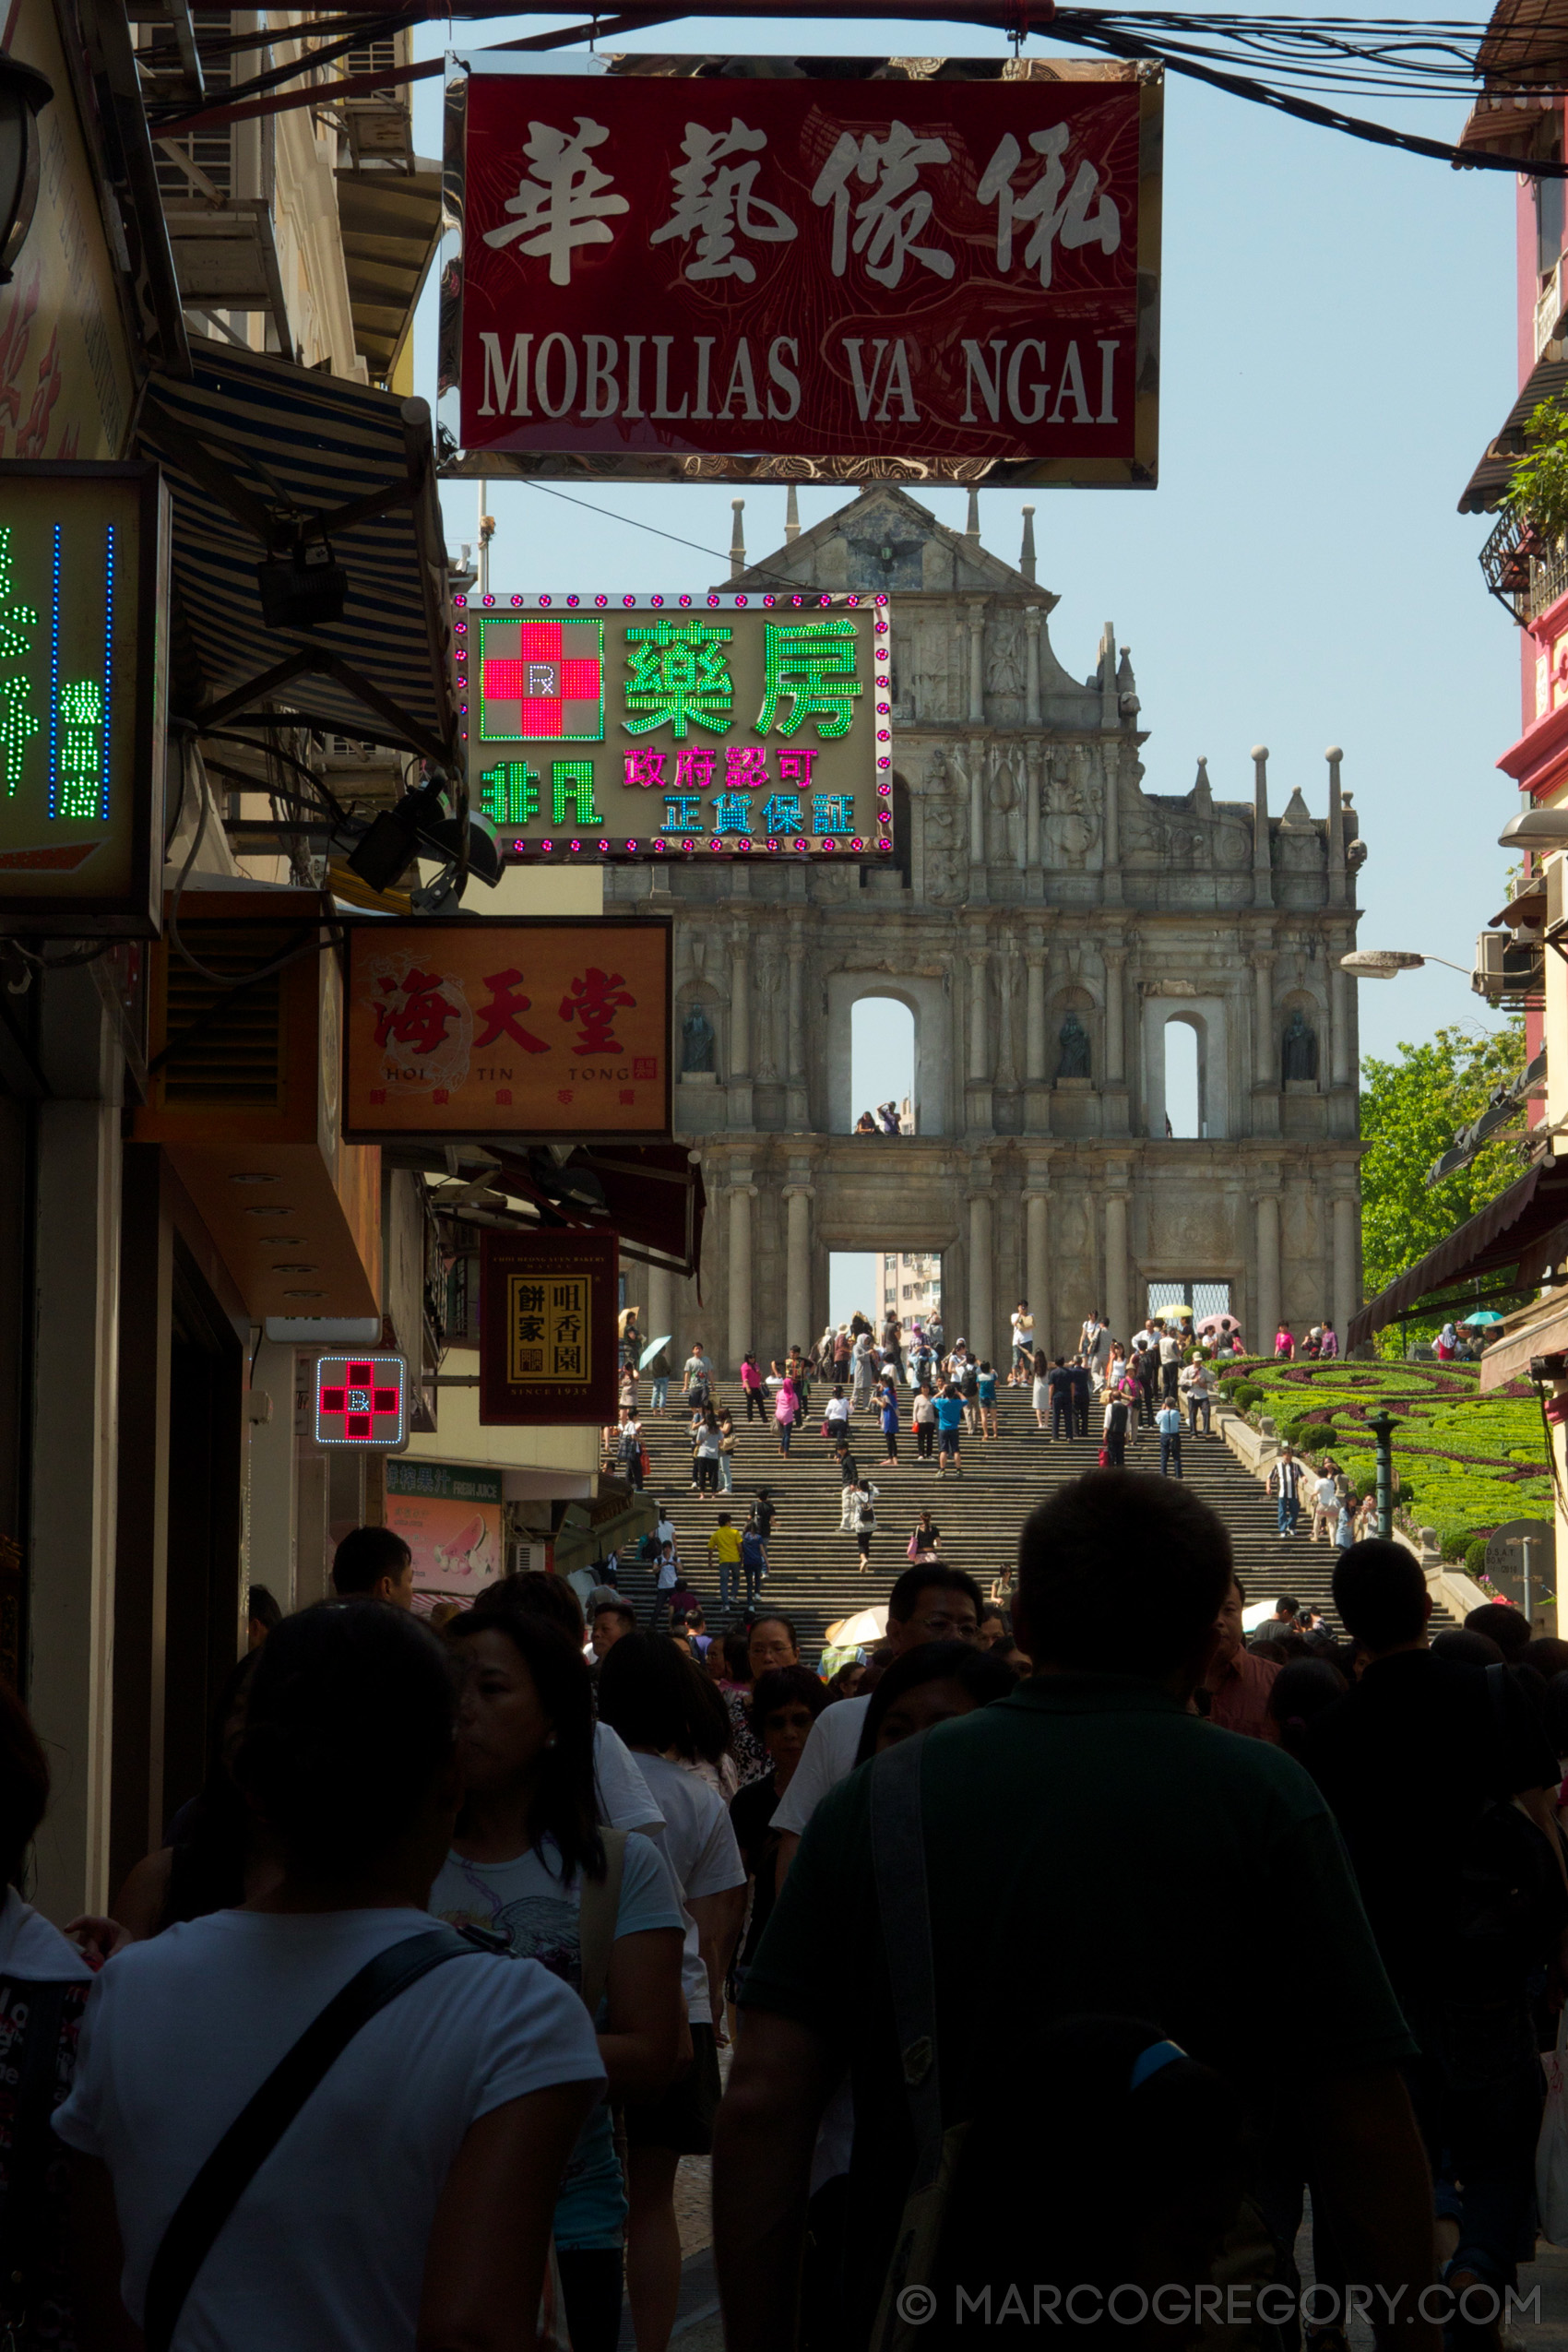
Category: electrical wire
<point>632,524</point>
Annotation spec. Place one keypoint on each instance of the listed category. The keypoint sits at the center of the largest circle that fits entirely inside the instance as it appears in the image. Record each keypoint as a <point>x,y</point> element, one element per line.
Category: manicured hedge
<point>1464,1464</point>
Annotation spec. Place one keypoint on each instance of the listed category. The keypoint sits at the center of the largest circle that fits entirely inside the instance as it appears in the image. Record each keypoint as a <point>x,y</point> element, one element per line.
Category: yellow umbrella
<point>854,1633</point>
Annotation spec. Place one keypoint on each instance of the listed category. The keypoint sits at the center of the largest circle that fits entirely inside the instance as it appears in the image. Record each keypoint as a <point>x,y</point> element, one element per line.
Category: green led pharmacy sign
<point>83,604</point>
<point>638,727</point>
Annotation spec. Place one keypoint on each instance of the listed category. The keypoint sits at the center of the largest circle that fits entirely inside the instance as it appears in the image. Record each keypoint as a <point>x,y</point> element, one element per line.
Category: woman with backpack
<point>597,1908</point>
<point>431,2115</point>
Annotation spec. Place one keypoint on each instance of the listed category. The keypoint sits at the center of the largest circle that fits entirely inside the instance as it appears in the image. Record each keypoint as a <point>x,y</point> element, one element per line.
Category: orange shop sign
<point>534,1029</point>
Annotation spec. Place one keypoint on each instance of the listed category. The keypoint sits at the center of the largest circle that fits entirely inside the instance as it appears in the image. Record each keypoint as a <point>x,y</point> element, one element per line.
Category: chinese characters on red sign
<point>532,1027</point>
<point>938,270</point>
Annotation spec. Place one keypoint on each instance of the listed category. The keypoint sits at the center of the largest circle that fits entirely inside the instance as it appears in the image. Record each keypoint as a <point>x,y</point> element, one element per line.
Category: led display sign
<point>625,727</point>
<point>83,653</point>
<point>362,1401</point>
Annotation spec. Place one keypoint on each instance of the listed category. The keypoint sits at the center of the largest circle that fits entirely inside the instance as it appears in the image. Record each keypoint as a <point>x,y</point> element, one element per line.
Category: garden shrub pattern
<point>1463,1464</point>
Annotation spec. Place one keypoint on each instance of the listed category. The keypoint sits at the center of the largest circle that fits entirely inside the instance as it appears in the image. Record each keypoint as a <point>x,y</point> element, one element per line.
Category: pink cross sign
<point>362,1400</point>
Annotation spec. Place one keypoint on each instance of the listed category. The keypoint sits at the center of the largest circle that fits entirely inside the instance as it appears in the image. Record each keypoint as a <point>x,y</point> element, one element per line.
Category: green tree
<point>1411,1111</point>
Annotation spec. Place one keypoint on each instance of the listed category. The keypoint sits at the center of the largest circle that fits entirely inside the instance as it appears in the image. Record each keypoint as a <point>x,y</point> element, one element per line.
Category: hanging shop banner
<point>547,1349</point>
<point>610,727</point>
<point>83,698</point>
<point>738,260</point>
<point>449,1515</point>
<point>529,1029</point>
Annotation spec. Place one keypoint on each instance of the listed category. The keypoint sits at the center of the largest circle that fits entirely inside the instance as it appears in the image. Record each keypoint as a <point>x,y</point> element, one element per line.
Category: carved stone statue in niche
<point>1298,1053</point>
<point>697,1043</point>
<point>1005,671</point>
<point>769,995</point>
<point>1008,782</point>
<point>1074,1039</point>
<point>944,824</point>
<point>1071,820</point>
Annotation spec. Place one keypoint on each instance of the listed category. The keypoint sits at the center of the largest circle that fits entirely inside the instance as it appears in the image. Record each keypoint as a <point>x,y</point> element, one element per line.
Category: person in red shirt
<point>1237,1683</point>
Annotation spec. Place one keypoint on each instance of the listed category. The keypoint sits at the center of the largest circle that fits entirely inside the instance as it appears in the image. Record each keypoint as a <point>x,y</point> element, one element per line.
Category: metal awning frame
<point>214,467</point>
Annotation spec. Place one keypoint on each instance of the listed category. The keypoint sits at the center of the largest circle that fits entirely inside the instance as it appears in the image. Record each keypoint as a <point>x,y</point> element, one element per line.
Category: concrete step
<point>813,1575</point>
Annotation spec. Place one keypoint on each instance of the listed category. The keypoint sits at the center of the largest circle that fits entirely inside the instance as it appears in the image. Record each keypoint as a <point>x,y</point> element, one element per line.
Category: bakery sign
<point>533,1028</point>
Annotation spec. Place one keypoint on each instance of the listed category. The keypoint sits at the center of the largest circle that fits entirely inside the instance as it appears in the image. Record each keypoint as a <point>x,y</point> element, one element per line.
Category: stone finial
<point>1263,885</point>
<point>1337,803</point>
<point>1203,791</point>
<point>1128,701</point>
<point>1026,556</point>
<point>736,539</point>
<point>791,514</point>
<point>971,529</point>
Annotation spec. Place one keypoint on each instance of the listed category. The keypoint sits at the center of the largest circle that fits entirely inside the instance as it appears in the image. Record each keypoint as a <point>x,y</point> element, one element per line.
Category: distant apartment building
<point>912,1284</point>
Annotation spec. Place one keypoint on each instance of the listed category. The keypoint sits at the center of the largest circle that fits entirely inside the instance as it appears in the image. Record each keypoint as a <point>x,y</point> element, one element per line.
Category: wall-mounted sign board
<point>539,1027</point>
<point>618,727</point>
<point>548,1349</point>
<point>83,698</point>
<point>360,1401</point>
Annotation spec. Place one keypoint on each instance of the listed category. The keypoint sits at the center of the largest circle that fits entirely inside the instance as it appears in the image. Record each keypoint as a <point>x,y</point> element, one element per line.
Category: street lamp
<point>1382,1426</point>
<point>23,91</point>
<point>1387,963</point>
<point>1540,829</point>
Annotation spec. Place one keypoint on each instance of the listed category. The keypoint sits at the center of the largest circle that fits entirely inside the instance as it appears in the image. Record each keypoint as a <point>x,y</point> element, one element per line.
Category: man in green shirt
<point>1091,1847</point>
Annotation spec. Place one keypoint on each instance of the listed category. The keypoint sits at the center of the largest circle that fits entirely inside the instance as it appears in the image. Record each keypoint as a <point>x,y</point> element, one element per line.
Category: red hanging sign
<point>962,274</point>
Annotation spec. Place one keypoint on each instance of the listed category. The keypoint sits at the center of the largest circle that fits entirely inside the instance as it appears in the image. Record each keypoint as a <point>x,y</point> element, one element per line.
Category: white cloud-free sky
<point>1338,347</point>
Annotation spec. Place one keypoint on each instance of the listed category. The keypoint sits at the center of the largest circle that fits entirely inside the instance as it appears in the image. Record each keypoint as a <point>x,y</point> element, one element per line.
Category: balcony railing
<point>1523,572</point>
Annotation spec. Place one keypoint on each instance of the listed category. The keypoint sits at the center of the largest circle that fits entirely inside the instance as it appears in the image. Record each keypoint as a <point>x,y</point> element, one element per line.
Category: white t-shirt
<point>1023,1329</point>
<point>1327,1496</point>
<point>528,1901</point>
<point>827,1758</point>
<point>328,2244</point>
<point>700,1846</point>
<point>623,1798</point>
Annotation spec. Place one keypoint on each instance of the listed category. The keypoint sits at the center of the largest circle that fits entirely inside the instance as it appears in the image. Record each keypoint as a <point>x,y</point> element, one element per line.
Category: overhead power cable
<point>1289,58</point>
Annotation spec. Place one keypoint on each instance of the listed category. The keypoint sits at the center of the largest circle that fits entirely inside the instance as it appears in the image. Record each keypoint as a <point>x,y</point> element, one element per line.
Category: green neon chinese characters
<point>16,620</point>
<point>81,748</point>
<point>17,724</point>
<point>679,676</point>
<point>509,792</point>
<point>810,665</point>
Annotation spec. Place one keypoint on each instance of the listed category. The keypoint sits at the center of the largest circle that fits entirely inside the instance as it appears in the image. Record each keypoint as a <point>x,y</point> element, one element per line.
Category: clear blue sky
<point>1338,350</point>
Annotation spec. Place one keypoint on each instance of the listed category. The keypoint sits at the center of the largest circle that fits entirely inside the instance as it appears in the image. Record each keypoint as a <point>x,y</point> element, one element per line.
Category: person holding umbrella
<point>655,1362</point>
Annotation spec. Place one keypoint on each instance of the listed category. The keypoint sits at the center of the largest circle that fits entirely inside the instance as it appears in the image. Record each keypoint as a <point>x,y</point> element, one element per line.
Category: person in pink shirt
<point>786,1405</point>
<point>751,1381</point>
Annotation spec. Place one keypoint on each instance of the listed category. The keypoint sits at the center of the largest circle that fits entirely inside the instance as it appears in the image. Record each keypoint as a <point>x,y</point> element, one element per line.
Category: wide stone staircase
<point>813,1572</point>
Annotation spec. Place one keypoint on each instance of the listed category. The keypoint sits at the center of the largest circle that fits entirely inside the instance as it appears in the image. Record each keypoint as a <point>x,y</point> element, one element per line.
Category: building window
<point>1548,225</point>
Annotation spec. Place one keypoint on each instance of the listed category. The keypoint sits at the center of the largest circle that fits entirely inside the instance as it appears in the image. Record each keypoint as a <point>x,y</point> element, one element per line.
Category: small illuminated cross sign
<point>359,1400</point>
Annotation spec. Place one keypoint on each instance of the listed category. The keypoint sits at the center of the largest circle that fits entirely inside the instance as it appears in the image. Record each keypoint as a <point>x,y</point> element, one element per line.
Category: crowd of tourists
<point>399,2037</point>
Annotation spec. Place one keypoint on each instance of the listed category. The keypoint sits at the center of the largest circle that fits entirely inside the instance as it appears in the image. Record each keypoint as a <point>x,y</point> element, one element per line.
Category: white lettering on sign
<point>591,378</point>
<point>1053,216</point>
<point>566,206</point>
<point>715,200</point>
<point>895,380</point>
<point>892,217</point>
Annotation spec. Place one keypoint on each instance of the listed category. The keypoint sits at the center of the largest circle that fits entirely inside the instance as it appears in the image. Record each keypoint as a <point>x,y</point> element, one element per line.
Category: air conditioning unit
<point>1556,896</point>
<point>1487,978</point>
<point>1507,966</point>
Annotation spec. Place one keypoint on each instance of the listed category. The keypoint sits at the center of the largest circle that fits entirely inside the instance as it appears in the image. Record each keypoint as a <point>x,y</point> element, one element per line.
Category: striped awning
<point>252,446</point>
